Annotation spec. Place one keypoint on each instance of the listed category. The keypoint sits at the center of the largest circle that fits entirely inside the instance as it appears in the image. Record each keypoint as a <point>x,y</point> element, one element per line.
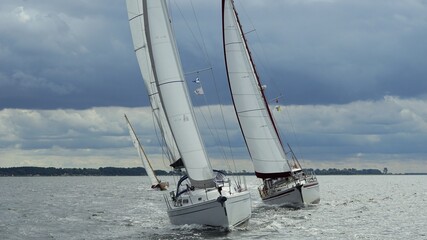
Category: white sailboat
<point>284,181</point>
<point>203,196</point>
<point>155,182</point>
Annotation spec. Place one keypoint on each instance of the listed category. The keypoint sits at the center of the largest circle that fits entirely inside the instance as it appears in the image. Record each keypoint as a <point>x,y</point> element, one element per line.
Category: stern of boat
<point>238,209</point>
<point>220,206</point>
<point>310,189</point>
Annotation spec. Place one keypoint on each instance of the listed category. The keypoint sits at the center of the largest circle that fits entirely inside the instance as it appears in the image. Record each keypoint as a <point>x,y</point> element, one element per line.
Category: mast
<point>173,93</point>
<point>136,22</point>
<point>147,165</point>
<point>255,119</point>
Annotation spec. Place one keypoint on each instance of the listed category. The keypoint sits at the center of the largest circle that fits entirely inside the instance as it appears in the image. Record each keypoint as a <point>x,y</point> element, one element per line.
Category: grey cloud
<point>56,56</point>
<point>313,52</point>
<point>342,51</point>
<point>334,135</point>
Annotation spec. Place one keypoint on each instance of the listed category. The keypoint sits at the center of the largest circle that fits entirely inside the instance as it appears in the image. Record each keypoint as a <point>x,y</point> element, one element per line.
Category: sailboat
<point>202,196</point>
<point>284,182</point>
<point>155,182</point>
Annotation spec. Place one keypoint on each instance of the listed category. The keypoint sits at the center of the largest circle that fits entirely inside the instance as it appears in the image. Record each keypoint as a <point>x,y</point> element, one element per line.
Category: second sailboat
<point>284,180</point>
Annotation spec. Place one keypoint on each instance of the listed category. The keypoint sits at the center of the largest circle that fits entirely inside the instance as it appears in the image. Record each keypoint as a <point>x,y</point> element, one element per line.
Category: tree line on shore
<point>138,171</point>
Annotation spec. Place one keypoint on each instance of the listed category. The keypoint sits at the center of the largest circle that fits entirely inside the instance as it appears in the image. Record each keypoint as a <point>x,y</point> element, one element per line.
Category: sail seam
<point>166,83</point>
<point>137,16</point>
<point>230,43</point>
<point>251,110</point>
<point>261,138</point>
<point>140,48</point>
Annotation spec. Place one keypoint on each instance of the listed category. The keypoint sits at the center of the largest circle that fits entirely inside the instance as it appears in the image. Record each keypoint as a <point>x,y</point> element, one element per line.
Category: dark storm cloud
<point>61,54</point>
<point>342,51</point>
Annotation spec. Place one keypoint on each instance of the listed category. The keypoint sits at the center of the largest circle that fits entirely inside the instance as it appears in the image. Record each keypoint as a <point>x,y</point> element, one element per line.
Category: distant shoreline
<point>139,171</point>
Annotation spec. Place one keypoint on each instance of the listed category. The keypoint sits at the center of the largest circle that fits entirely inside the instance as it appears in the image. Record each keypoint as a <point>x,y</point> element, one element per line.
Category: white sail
<point>148,168</point>
<point>174,94</point>
<point>198,199</point>
<point>254,116</point>
<point>136,21</point>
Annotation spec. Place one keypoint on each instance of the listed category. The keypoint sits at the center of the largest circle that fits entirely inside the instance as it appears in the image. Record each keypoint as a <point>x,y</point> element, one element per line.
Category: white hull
<point>296,194</point>
<point>295,197</point>
<point>311,193</point>
<point>235,211</point>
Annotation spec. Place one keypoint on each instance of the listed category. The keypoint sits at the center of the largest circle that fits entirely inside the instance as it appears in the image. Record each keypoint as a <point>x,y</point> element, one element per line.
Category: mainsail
<point>136,21</point>
<point>174,98</point>
<point>255,119</point>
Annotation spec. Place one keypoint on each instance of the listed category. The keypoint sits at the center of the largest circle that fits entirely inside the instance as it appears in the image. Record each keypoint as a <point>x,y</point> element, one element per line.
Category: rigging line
<point>203,49</point>
<point>165,153</point>
<point>215,130</point>
<point>188,25</point>
<point>198,71</point>
<point>282,119</point>
<point>215,86</point>
<point>213,77</point>
<point>246,33</point>
<point>276,98</point>
<point>157,122</point>
<point>261,46</point>
<point>295,136</point>
<point>161,142</point>
<point>192,33</point>
<point>266,73</point>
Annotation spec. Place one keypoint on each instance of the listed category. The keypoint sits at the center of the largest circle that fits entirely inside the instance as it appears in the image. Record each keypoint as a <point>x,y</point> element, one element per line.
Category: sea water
<point>351,207</point>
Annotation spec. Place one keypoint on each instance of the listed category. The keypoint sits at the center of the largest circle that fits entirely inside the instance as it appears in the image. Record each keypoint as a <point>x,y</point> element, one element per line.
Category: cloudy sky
<point>351,75</point>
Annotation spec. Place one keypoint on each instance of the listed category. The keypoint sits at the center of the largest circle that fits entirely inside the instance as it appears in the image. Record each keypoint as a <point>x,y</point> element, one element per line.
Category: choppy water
<point>352,207</point>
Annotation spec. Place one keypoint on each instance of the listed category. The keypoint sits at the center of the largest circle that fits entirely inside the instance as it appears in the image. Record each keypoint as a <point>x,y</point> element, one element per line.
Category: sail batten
<point>172,82</point>
<point>256,123</point>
